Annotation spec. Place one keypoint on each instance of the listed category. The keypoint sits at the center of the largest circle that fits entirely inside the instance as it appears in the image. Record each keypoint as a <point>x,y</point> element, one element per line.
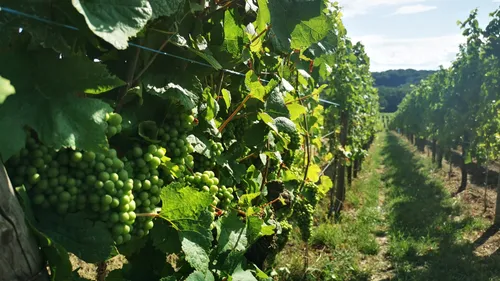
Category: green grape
<point>303,215</point>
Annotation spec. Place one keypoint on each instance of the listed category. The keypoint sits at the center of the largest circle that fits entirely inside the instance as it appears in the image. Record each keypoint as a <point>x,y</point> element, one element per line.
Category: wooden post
<point>20,256</point>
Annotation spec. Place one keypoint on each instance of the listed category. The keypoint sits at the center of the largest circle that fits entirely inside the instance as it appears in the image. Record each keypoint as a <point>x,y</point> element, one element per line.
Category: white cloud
<point>352,8</point>
<point>414,9</point>
<point>417,53</point>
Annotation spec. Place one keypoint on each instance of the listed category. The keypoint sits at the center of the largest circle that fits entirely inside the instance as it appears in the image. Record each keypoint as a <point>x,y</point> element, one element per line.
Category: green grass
<point>425,226</point>
<point>338,250</point>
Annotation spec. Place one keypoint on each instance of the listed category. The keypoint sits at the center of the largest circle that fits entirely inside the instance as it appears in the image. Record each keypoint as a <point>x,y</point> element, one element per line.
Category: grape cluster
<point>142,165</point>
<point>303,215</point>
<point>173,136</point>
<point>207,181</point>
<point>310,192</point>
<point>70,181</point>
<point>203,163</point>
<point>114,121</point>
<point>234,130</point>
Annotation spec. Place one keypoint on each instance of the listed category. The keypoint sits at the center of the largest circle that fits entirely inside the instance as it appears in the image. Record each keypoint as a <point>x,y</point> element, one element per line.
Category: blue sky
<point>418,34</point>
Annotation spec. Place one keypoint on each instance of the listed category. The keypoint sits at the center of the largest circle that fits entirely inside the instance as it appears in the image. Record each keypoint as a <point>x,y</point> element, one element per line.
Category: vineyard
<point>238,140</point>
<point>190,138</point>
<point>459,107</point>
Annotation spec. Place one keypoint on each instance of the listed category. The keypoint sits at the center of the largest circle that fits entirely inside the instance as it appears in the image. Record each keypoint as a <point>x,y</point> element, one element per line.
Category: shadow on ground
<point>425,225</point>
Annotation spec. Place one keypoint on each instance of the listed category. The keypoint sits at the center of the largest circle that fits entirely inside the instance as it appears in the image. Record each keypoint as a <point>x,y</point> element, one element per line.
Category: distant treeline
<point>393,85</point>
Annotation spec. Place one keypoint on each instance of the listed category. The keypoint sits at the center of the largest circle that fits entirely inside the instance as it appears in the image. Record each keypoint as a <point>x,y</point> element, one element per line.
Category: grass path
<point>399,223</point>
<point>426,225</point>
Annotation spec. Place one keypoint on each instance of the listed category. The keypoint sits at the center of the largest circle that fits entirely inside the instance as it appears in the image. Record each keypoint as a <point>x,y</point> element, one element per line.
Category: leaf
<point>183,203</point>
<point>165,238</point>
<point>176,93</point>
<point>313,172</point>
<point>296,110</point>
<point>325,186</point>
<point>257,90</point>
<point>226,95</point>
<point>254,225</point>
<point>290,17</point>
<point>200,145</point>
<point>207,56</point>
<point>47,101</point>
<point>6,89</point>
<point>268,120</point>
<point>148,130</point>
<point>309,32</point>
<point>242,275</point>
<point>256,134</point>
<point>165,8</point>
<point>233,34</point>
<point>186,209</point>
<point>200,276</point>
<point>212,105</point>
<point>246,199</point>
<point>233,234</point>
<point>115,21</point>
<point>90,241</point>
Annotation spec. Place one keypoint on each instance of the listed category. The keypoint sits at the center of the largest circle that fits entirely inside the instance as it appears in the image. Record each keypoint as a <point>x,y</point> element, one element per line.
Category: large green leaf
<point>309,32</point>
<point>200,276</point>
<point>90,241</point>
<point>233,235</point>
<point>6,89</point>
<point>47,100</point>
<point>290,20</point>
<point>165,238</point>
<point>165,7</point>
<point>233,34</point>
<point>115,21</point>
<point>183,90</point>
<point>186,209</point>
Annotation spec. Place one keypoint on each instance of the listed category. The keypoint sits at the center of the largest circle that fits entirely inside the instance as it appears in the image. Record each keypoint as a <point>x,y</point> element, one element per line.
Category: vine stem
<point>154,215</point>
<point>223,126</point>
<point>101,271</point>
<point>130,82</point>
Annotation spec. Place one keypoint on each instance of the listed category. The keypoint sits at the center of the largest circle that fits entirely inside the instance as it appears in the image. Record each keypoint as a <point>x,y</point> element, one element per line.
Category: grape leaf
<point>325,186</point>
<point>176,93</point>
<point>6,89</point>
<point>233,234</point>
<point>200,145</point>
<point>165,8</point>
<point>296,110</point>
<point>313,172</point>
<point>309,32</point>
<point>242,275</point>
<point>165,238</point>
<point>47,101</point>
<point>115,21</point>
<point>253,84</point>
<point>90,241</point>
<point>233,34</point>
<point>288,21</point>
<point>226,95</point>
<point>186,209</point>
<point>200,276</point>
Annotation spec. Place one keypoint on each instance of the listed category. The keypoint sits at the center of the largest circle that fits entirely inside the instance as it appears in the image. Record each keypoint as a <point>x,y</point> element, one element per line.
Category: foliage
<point>176,155</point>
<point>460,105</point>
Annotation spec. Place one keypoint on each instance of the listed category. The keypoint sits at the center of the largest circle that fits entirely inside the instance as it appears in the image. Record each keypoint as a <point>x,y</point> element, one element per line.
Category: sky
<point>417,34</point>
